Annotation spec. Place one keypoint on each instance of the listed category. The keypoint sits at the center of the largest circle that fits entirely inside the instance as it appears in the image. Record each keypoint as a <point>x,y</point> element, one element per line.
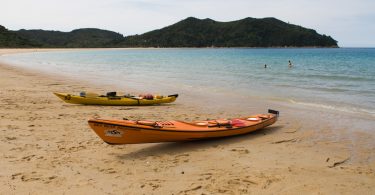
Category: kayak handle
<point>174,95</point>
<point>273,112</point>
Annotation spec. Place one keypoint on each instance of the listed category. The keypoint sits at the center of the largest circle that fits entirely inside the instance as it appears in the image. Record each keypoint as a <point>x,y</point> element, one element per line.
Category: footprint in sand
<point>10,138</point>
<point>14,176</point>
<point>108,171</point>
<point>76,148</point>
<point>181,157</point>
<point>12,127</point>
<point>154,183</point>
<point>49,179</point>
<point>190,190</point>
<point>27,177</point>
<point>28,158</point>
<point>72,149</point>
<point>240,150</point>
<point>205,176</point>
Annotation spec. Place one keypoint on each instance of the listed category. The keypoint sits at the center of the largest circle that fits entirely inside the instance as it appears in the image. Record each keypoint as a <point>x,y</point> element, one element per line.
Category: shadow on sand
<point>182,147</point>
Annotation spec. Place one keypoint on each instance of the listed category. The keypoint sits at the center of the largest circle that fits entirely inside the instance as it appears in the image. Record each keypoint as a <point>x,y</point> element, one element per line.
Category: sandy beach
<point>47,147</point>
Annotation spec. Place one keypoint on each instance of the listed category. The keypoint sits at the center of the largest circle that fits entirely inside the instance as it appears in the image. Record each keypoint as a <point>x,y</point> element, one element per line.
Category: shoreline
<point>48,146</point>
<point>258,103</point>
<point>295,111</point>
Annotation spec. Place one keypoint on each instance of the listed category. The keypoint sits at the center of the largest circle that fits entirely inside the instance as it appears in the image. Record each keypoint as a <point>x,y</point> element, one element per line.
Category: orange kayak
<point>135,132</point>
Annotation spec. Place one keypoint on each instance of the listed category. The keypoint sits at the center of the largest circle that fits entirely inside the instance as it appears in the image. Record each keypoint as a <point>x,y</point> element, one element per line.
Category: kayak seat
<point>150,123</point>
<point>147,123</point>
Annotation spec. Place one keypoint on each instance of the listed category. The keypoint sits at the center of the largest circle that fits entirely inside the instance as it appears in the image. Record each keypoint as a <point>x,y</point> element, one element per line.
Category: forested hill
<point>248,32</point>
<point>9,39</point>
<point>191,32</point>
<point>85,38</point>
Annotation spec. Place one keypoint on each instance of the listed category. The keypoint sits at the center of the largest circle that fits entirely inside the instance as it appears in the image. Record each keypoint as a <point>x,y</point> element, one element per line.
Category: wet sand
<point>47,147</point>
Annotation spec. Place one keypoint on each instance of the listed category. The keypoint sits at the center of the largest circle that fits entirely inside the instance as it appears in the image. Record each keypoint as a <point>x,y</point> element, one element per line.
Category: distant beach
<point>323,142</point>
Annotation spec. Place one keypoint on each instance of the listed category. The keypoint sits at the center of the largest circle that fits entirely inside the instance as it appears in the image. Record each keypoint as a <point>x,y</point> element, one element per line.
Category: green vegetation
<point>9,39</point>
<point>85,38</point>
<point>191,32</point>
<point>248,32</point>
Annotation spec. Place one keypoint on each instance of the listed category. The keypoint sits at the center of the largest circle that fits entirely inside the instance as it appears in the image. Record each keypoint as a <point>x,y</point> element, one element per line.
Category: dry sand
<point>47,147</point>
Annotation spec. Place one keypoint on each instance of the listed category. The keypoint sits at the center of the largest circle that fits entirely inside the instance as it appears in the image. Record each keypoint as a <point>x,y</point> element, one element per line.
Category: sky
<point>350,22</point>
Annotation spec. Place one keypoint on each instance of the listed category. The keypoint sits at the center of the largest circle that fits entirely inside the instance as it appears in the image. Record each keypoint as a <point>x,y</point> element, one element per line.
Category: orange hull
<point>134,132</point>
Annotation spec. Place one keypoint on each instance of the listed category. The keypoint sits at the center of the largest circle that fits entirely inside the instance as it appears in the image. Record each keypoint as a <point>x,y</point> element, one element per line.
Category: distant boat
<point>135,132</point>
<point>113,100</point>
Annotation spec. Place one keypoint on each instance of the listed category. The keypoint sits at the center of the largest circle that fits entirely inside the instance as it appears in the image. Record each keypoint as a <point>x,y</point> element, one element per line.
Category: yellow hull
<point>135,132</point>
<point>113,101</point>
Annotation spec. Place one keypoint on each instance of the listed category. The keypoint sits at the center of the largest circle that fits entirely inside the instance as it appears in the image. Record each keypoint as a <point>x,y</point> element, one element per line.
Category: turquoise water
<point>341,79</point>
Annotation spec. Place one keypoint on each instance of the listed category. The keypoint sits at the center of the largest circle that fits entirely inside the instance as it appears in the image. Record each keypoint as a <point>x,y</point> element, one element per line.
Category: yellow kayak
<point>115,100</point>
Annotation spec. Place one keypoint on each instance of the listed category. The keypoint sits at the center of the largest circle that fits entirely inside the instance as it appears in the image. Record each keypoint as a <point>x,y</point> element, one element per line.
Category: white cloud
<point>350,22</point>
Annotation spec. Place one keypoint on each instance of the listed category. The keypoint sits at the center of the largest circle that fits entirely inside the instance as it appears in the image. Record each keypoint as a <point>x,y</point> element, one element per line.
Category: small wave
<point>327,89</point>
<point>352,110</point>
<point>284,85</point>
<point>340,89</point>
<point>337,77</point>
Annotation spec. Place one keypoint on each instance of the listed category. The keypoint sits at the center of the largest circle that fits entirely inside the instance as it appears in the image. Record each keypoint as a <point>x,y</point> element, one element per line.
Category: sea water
<point>338,79</point>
